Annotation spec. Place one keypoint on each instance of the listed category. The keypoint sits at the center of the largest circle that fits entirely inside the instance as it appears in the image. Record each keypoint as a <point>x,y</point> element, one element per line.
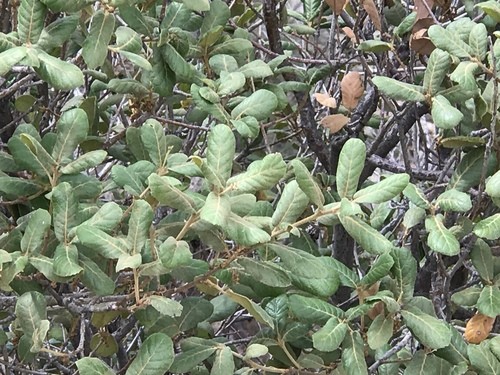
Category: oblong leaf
<point>398,90</point>
<point>351,164</point>
<point>429,330</point>
<point>95,46</point>
<point>384,190</point>
<point>155,356</point>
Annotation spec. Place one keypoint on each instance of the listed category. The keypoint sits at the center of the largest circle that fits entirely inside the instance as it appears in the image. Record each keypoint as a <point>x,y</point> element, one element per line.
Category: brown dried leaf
<point>352,89</point>
<point>371,9</point>
<point>478,328</point>
<point>350,34</point>
<point>421,43</point>
<point>334,123</point>
<point>336,5</point>
<point>325,99</point>
<point>377,308</point>
<point>423,7</point>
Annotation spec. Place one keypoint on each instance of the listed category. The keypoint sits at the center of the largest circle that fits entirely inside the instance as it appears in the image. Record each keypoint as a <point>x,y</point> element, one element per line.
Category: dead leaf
<point>424,8</point>
<point>334,123</point>
<point>325,99</point>
<point>352,89</point>
<point>378,308</point>
<point>478,328</point>
<point>421,43</point>
<point>350,34</point>
<point>336,5</point>
<point>371,9</point>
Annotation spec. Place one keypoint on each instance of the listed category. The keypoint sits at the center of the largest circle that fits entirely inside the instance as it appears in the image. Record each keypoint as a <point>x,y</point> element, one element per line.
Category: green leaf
<point>166,306</point>
<point>66,260</point>
<point>449,42</point>
<point>256,69</point>
<point>416,196</point>
<point>427,363</point>
<point>38,224</point>
<point>353,354</point>
<point>482,259</point>
<point>220,150</point>
<point>441,239</point>
<point>248,127</point>
<point>369,239</point>
<point>380,331</point>
<point>483,359</point>
<point>493,186</point>
<point>135,19</point>
<point>72,129</point>
<point>468,172</point>
<point>489,301</point>
<point>184,71</point>
<point>488,228</point>
<point>467,297</point>
<point>398,90</point>
<point>429,330</point>
<point>197,5</point>
<point>230,82</point>
<point>244,231</point>
<point>253,309</point>
<point>405,273</point>
<point>155,356</point>
<point>95,46</point>
<point>154,141</point>
<point>260,105</point>
<point>255,351</point>
<point>313,310</point>
<point>347,276</point>
<point>376,46</point>
<point>173,253</point>
<point>308,272</point>
<point>445,116</point>
<point>216,209</point>
<point>260,175</point>
<point>10,58</point>
<point>108,246</point>
<point>478,40</point>
<point>89,160</point>
<point>93,366</point>
<point>106,218</point>
<point>187,360</point>
<point>384,190</point>
<point>307,183</point>
<point>132,178</point>
<point>437,68</point>
<point>57,33</point>
<point>223,63</point>
<point>64,211</point>
<point>454,200</point>
<point>330,336</point>
<point>218,15</point>
<point>59,74</point>
<point>30,20</point>
<point>291,205</point>
<point>351,164</point>
<point>13,187</point>
<point>491,8</point>
<point>267,273</point>
<point>94,278</point>
<point>140,221</point>
<point>30,310</point>
<point>169,195</point>
<point>464,75</point>
<point>379,269</point>
<point>127,86</point>
<point>223,362</point>
<point>65,6</point>
<point>128,261</point>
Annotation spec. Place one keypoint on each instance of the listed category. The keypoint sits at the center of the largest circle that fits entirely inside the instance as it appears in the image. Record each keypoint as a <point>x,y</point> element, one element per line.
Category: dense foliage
<point>214,187</point>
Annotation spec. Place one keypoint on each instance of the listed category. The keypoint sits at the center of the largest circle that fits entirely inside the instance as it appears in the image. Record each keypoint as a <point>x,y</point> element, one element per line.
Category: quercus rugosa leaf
<point>352,89</point>
<point>336,5</point>
<point>478,328</point>
<point>334,123</point>
<point>325,99</point>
